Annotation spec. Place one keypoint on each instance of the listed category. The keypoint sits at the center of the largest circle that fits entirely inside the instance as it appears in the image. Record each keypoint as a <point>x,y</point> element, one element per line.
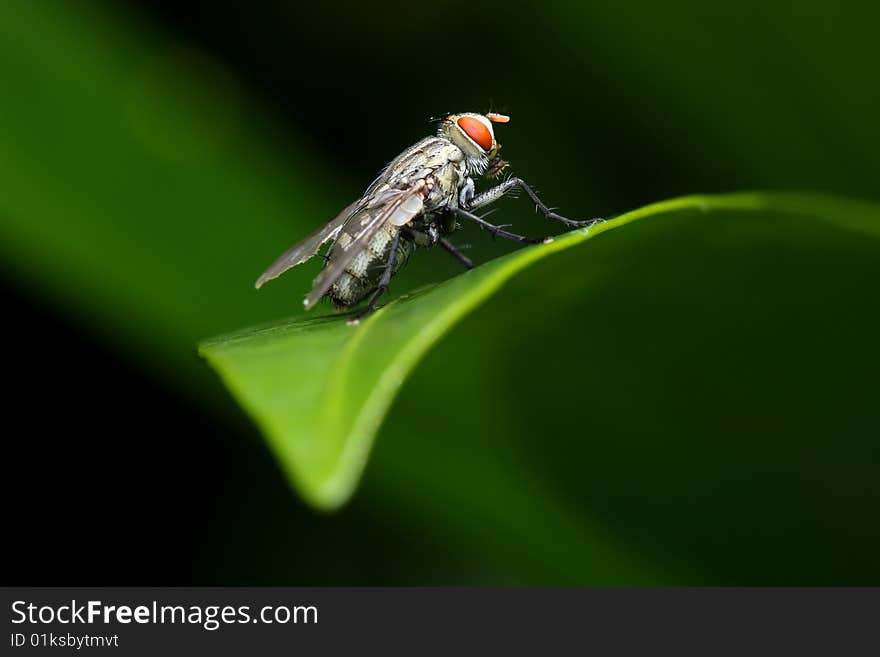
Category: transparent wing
<point>391,205</point>
<point>302,251</point>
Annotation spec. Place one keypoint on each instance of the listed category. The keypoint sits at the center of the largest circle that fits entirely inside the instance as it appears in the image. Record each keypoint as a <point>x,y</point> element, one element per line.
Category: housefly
<point>416,201</point>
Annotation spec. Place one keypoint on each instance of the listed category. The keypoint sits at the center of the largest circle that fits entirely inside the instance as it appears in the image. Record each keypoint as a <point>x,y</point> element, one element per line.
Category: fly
<point>415,201</point>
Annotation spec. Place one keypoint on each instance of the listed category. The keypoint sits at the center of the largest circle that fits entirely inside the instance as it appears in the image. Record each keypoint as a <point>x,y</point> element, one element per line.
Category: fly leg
<point>458,255</point>
<point>383,282</point>
<point>499,230</point>
<point>495,193</point>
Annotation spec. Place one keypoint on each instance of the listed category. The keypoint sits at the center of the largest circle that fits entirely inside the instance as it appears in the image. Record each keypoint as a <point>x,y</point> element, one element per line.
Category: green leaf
<point>319,388</point>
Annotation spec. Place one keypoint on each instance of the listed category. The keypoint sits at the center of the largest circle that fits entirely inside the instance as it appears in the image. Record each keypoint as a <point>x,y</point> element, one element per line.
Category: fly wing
<point>302,251</point>
<point>391,205</point>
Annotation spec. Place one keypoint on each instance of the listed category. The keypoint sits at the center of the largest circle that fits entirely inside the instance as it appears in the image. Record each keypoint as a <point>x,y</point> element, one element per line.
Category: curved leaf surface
<point>319,388</point>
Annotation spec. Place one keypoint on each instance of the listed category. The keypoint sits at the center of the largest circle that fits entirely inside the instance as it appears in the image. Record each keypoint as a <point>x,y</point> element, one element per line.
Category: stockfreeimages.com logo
<point>210,617</point>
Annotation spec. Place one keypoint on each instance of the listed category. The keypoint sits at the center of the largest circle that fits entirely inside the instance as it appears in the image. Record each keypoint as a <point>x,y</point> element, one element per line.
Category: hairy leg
<point>499,230</point>
<point>458,255</point>
<point>495,193</point>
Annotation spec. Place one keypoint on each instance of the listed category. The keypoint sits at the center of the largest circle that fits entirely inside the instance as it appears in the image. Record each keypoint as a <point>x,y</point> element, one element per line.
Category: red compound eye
<point>477,131</point>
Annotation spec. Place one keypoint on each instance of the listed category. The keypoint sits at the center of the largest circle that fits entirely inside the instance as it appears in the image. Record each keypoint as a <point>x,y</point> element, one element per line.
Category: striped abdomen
<point>364,272</point>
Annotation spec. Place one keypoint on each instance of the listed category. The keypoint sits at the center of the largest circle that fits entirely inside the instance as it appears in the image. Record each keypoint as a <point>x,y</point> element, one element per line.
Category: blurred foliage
<point>135,177</point>
<point>723,382</point>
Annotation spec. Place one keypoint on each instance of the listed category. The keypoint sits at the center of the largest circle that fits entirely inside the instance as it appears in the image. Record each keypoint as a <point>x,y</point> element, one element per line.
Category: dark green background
<point>708,416</point>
